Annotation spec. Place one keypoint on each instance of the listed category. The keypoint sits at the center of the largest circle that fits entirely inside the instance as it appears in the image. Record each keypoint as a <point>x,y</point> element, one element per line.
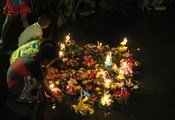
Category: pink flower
<point>122,94</point>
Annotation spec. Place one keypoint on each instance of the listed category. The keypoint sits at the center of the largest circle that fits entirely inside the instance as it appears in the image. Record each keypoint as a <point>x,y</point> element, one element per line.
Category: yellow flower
<point>97,65</point>
<point>122,48</point>
<point>120,77</point>
<point>114,67</point>
<point>72,71</point>
<point>84,82</point>
<point>97,89</point>
<point>82,106</point>
<point>88,72</point>
<point>75,108</point>
<point>91,111</point>
<point>57,82</point>
<point>78,87</point>
<point>98,74</point>
<point>113,86</point>
<point>50,82</point>
<point>85,99</point>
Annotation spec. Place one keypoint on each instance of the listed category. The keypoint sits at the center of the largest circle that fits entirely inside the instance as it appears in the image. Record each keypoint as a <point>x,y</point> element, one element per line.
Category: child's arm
<point>49,92</point>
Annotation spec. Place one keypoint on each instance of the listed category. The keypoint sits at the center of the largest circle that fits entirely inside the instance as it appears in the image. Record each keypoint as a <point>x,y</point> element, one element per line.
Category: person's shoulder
<point>35,27</point>
<point>31,30</point>
<point>31,26</point>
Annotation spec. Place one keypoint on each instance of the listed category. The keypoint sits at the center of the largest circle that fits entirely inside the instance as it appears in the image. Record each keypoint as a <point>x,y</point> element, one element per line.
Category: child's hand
<point>58,99</point>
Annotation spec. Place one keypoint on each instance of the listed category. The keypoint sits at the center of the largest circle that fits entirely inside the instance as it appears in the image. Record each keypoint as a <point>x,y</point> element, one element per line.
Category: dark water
<point>154,35</point>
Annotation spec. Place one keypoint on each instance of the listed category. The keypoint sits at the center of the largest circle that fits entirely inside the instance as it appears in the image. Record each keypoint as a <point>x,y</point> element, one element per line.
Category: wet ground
<point>154,35</point>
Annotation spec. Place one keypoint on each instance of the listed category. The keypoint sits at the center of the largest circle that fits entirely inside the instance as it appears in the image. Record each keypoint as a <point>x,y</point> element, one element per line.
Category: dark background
<point>152,32</point>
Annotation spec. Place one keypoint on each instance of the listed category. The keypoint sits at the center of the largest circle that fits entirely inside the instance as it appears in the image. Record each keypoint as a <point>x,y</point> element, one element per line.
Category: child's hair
<point>44,20</point>
<point>48,50</point>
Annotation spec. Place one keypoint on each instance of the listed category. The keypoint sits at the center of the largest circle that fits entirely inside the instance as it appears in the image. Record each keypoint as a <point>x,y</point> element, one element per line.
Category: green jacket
<point>28,48</point>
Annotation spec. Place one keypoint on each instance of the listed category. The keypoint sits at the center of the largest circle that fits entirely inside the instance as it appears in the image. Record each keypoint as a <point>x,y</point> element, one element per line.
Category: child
<point>34,31</point>
<point>26,76</point>
<point>30,39</point>
<point>26,73</point>
<point>13,9</point>
<point>17,7</point>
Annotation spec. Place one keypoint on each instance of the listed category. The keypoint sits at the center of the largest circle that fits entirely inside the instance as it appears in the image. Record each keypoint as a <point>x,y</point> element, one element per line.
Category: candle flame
<point>121,74</point>
<point>62,46</point>
<point>99,45</point>
<point>106,100</point>
<point>61,54</point>
<point>103,74</point>
<point>68,38</point>
<point>124,64</point>
<point>124,42</point>
<point>108,61</point>
<point>51,86</point>
<point>107,83</point>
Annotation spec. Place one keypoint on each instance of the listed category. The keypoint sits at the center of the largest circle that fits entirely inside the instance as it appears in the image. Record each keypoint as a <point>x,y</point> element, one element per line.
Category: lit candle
<point>124,42</point>
<point>127,67</point>
<point>123,48</point>
<point>124,65</point>
<point>108,61</point>
<point>68,38</point>
<point>121,74</point>
<point>61,54</point>
<point>106,100</point>
<point>103,74</point>
<point>107,83</point>
<point>62,46</point>
<point>99,45</point>
<point>51,86</point>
